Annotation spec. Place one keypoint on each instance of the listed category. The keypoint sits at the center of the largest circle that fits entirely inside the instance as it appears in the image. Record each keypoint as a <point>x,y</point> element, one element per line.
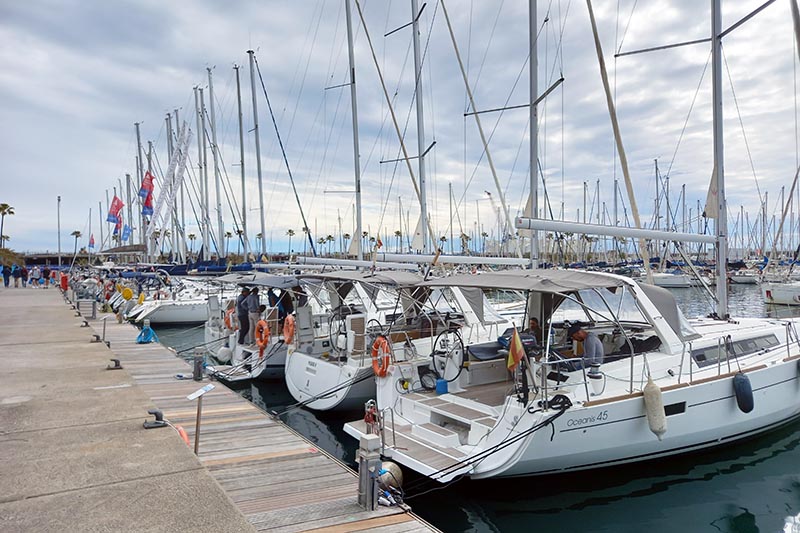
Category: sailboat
<point>666,386</point>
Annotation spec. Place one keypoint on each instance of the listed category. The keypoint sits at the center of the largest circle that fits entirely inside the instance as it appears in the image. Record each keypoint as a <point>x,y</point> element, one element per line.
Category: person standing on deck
<point>16,273</point>
<point>35,275</point>
<point>25,275</point>
<point>6,275</point>
<point>252,303</point>
<point>241,313</point>
<point>46,276</point>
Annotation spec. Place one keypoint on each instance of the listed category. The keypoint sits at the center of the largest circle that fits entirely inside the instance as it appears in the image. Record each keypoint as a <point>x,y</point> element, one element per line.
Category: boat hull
<point>336,386</point>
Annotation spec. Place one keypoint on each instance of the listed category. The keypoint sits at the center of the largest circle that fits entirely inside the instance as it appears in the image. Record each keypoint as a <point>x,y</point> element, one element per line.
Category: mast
<point>241,165</point>
<point>215,155</point>
<point>182,226</point>
<point>534,128</point>
<point>423,195</point>
<point>58,221</point>
<point>204,187</point>
<point>173,207</point>
<point>719,161</point>
<point>251,53</point>
<point>354,113</point>
<point>150,170</point>
<point>140,177</point>
<point>130,206</point>
<point>100,216</point>
<point>200,167</point>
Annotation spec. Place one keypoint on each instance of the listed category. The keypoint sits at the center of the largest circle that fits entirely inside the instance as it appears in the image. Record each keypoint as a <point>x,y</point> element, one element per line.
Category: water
<point>747,487</point>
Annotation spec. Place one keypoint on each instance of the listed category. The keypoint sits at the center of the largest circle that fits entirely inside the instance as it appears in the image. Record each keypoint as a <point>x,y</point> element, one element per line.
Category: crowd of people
<point>22,276</point>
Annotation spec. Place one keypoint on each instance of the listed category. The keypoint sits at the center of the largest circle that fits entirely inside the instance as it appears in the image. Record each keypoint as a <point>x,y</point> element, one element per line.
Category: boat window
<point>712,354</point>
<point>620,301</point>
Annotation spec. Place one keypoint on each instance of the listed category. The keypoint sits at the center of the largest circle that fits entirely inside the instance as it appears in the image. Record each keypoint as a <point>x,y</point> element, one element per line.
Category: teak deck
<point>279,480</point>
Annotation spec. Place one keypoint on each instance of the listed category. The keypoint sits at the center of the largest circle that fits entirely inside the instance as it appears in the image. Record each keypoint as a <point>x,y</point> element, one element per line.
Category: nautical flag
<point>126,232</point>
<point>113,211</point>
<point>147,185</point>
<point>515,351</point>
<point>91,241</point>
<point>378,241</point>
<point>147,206</point>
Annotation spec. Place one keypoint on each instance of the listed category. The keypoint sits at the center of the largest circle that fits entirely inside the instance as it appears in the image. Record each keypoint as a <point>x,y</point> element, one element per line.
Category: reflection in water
<point>747,487</point>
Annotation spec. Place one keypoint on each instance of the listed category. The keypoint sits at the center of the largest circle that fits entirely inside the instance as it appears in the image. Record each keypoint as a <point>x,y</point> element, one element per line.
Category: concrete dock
<point>74,455</point>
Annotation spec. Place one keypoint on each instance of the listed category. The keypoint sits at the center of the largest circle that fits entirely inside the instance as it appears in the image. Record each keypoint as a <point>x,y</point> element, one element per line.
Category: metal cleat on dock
<point>117,365</point>
<point>159,422</point>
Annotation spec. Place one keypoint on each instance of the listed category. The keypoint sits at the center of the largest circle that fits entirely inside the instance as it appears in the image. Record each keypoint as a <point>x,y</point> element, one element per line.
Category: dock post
<point>197,424</point>
<point>369,464</point>
<point>197,370</point>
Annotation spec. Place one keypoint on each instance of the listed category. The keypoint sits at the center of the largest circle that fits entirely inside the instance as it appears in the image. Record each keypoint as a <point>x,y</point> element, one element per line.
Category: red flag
<point>91,241</point>
<point>113,211</point>
<point>147,185</point>
<point>515,350</point>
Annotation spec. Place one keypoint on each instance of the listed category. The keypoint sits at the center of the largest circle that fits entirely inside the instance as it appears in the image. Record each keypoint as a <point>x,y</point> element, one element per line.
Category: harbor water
<point>751,486</point>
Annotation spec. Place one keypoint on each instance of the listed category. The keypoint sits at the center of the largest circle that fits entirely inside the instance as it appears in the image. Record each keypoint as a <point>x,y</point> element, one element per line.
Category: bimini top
<point>383,277</point>
<point>552,281</point>
<point>261,279</point>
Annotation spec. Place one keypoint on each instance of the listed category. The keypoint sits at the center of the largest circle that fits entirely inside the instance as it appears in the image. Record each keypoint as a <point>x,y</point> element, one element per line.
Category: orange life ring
<point>381,351</point>
<point>288,329</point>
<point>262,336</point>
<point>182,433</point>
<point>230,323</point>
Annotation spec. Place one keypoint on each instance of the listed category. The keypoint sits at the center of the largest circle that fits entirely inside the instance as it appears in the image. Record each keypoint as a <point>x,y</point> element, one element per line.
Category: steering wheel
<point>448,346</point>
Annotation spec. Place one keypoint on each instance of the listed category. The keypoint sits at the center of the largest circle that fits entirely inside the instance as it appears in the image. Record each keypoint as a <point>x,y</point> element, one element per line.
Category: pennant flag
<point>515,351</point>
<point>147,185</point>
<point>91,241</point>
<point>113,211</point>
<point>126,232</point>
<point>378,241</point>
<point>147,206</point>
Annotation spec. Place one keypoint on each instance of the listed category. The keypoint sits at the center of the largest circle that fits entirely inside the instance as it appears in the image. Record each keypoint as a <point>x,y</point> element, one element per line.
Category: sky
<point>75,75</point>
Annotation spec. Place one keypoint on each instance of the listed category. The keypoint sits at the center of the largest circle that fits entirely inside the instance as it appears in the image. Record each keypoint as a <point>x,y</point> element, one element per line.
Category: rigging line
<point>625,32</point>
<point>232,205</point>
<point>486,48</point>
<point>689,114</point>
<point>286,161</point>
<point>741,123</point>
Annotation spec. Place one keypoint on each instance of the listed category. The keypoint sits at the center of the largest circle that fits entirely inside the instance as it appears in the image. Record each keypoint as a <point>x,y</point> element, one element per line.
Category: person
<point>252,303</point>
<point>241,313</point>
<point>25,275</point>
<point>6,275</point>
<point>534,329</point>
<point>46,274</point>
<point>16,273</point>
<point>592,345</point>
<point>35,275</point>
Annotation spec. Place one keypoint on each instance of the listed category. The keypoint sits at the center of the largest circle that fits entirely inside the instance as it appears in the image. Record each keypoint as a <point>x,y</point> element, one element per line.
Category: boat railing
<point>382,428</point>
<point>544,367</point>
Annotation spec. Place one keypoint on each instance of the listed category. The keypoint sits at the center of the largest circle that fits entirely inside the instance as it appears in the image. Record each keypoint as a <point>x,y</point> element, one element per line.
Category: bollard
<point>197,371</point>
<point>369,464</point>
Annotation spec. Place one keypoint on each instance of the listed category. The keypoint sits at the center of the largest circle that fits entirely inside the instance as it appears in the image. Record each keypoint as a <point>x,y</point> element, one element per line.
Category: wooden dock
<point>279,480</point>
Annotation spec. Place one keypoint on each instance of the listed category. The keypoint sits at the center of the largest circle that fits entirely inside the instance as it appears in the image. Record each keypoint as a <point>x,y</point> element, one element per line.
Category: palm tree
<point>192,237</point>
<point>290,233</point>
<point>346,238</point>
<point>329,239</point>
<point>5,209</point>
<point>364,236</point>
<point>483,247</point>
<point>305,231</point>
<point>442,240</point>
<point>239,233</point>
<point>398,235</point>
<point>228,236</point>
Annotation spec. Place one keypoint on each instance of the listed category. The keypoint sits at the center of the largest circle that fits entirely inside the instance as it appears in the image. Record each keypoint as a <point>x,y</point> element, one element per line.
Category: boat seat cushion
<point>486,351</point>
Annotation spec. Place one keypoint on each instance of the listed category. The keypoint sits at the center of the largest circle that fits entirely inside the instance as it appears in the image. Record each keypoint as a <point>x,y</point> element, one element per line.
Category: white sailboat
<point>667,386</point>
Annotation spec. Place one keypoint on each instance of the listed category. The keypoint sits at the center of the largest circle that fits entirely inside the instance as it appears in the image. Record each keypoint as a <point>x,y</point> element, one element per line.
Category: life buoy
<point>262,336</point>
<point>288,329</point>
<point>230,322</point>
<point>381,351</point>
<point>182,433</point>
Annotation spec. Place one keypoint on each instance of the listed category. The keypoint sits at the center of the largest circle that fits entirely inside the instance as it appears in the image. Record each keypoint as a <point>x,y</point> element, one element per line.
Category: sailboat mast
<point>263,250</point>
<point>241,164</point>
<point>719,160</point>
<point>140,177</point>
<point>423,195</point>
<point>215,155</point>
<point>200,168</point>
<point>534,129</point>
<point>354,114</point>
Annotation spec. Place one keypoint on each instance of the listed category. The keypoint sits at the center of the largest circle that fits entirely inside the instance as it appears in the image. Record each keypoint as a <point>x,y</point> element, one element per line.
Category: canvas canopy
<point>550,281</point>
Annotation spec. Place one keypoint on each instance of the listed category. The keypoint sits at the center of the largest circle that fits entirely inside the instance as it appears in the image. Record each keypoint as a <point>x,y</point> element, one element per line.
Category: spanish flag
<point>515,351</point>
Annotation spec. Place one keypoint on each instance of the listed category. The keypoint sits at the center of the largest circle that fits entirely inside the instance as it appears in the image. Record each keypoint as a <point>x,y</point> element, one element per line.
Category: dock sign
<point>199,392</point>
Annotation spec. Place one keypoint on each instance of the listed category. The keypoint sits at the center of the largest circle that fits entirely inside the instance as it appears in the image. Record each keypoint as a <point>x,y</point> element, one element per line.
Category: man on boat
<point>592,345</point>
<point>241,313</point>
<point>252,303</point>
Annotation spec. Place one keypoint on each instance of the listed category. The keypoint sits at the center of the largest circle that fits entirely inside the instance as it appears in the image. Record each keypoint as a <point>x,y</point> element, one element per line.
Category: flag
<point>126,232</point>
<point>515,351</point>
<point>147,206</point>
<point>91,241</point>
<point>113,211</point>
<point>378,241</point>
<point>147,185</point>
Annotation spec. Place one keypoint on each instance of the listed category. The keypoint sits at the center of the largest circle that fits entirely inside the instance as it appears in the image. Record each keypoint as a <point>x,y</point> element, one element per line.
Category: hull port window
<point>712,354</point>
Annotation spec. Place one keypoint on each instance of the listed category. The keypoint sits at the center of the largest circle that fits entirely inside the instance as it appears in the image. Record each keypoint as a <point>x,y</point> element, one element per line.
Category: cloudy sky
<point>76,75</point>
